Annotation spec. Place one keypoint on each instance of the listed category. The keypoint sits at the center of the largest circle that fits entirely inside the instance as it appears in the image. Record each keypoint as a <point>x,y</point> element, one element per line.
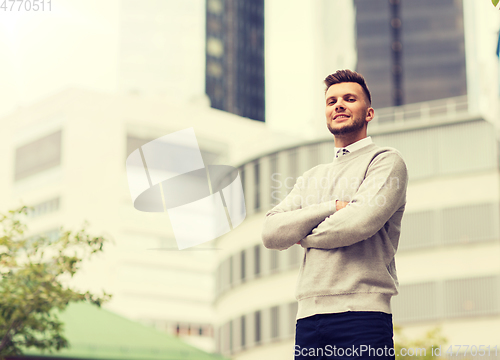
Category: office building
<point>235,57</point>
<point>411,51</point>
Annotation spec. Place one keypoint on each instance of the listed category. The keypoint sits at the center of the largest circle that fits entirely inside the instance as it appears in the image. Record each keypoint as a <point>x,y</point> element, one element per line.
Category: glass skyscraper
<point>235,57</point>
<point>411,51</point>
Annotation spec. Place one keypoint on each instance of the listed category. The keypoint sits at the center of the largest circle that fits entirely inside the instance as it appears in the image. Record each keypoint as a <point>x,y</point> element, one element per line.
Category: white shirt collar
<point>356,146</point>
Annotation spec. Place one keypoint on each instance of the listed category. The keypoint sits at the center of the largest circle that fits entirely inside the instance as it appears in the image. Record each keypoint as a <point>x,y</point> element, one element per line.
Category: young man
<point>347,216</point>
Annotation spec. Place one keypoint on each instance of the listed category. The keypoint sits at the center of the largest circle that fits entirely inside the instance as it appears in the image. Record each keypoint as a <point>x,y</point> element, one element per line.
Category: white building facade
<point>449,247</point>
<point>65,157</point>
<point>162,48</point>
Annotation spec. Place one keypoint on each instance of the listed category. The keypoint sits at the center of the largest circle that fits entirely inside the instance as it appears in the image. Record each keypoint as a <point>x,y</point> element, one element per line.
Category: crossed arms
<point>336,223</point>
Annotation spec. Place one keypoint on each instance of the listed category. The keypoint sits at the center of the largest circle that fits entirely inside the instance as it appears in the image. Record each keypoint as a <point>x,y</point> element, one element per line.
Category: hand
<point>341,204</point>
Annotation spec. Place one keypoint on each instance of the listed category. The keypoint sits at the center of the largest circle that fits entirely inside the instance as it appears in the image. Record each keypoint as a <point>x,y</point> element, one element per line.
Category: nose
<point>339,105</point>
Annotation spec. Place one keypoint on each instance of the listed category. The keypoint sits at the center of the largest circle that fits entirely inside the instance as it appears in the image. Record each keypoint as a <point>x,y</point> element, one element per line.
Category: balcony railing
<point>424,112</point>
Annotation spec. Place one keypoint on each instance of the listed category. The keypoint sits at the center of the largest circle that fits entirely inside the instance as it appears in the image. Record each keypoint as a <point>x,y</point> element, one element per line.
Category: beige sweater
<point>348,262</point>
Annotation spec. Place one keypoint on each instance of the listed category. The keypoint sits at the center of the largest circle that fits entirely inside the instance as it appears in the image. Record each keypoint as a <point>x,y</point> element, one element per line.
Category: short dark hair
<point>343,76</point>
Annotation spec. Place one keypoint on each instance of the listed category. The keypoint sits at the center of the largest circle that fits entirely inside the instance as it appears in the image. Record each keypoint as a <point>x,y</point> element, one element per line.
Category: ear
<point>370,113</point>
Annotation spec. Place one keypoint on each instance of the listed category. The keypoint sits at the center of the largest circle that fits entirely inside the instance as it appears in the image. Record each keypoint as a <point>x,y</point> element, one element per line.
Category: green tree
<point>419,349</point>
<point>33,283</point>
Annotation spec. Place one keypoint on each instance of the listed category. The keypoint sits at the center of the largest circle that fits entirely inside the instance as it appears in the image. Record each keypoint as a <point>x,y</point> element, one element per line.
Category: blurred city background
<point>84,84</point>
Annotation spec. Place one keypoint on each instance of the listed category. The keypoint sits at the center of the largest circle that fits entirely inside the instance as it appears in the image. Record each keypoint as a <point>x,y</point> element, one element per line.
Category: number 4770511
<point>481,350</point>
<point>26,5</point>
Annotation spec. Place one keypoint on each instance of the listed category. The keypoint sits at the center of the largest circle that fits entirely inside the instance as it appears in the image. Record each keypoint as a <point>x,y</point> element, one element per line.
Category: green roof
<point>95,333</point>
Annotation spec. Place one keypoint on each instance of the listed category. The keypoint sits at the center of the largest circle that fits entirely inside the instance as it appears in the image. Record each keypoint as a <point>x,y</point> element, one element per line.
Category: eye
<point>351,99</point>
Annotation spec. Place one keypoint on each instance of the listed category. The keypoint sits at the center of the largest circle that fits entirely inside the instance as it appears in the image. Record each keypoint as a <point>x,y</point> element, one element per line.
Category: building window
<point>231,335</point>
<point>43,208</point>
<point>273,163</point>
<point>218,92</point>
<point>256,260</point>
<point>214,69</point>
<point>292,162</point>
<point>452,298</point>
<point>213,26</point>
<point>274,322</point>
<point>274,260</point>
<point>257,185</point>
<point>215,48</point>
<point>258,333</point>
<point>215,6</point>
<point>37,156</point>
<point>243,265</point>
<point>313,155</point>
<point>243,332</point>
<point>50,235</point>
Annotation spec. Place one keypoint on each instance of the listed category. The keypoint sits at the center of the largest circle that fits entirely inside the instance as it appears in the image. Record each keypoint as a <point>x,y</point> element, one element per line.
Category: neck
<point>344,140</point>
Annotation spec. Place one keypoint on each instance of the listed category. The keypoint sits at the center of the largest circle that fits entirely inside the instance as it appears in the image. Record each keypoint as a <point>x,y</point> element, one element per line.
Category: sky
<point>74,43</point>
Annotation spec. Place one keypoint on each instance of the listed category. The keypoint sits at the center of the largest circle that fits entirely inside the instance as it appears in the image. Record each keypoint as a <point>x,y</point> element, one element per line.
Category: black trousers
<point>348,335</point>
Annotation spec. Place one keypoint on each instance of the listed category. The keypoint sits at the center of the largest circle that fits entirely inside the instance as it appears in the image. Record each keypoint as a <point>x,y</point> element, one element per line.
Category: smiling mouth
<point>341,117</point>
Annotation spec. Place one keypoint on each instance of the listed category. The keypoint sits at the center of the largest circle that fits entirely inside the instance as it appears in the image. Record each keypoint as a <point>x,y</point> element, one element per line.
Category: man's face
<point>347,109</point>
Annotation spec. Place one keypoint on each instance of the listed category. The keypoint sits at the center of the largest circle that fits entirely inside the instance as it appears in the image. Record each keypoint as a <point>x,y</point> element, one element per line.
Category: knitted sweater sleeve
<point>380,195</point>
<point>292,219</point>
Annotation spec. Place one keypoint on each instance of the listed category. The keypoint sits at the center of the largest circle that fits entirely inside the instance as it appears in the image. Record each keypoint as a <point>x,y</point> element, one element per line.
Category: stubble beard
<point>357,124</point>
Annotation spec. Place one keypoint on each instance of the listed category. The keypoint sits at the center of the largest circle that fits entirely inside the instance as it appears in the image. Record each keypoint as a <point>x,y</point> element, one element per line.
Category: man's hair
<point>343,76</point>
